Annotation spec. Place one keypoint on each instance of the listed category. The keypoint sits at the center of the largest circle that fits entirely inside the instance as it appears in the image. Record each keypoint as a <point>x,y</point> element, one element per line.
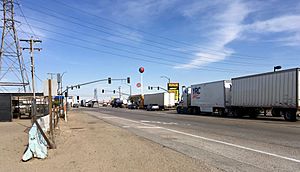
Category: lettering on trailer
<point>196,92</point>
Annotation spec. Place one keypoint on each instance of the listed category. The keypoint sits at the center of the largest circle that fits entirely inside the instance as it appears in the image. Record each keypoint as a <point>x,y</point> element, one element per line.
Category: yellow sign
<point>174,88</point>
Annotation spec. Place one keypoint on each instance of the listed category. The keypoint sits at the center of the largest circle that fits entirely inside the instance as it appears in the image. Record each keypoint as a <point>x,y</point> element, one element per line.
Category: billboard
<point>54,87</point>
<point>174,88</point>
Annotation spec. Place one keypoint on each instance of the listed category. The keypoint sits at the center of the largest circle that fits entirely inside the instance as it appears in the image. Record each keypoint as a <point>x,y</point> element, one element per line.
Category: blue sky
<point>189,41</point>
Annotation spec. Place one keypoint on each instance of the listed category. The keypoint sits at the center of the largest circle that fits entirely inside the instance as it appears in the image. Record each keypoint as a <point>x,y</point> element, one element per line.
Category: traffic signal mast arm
<point>114,91</point>
<point>151,88</point>
<point>92,82</point>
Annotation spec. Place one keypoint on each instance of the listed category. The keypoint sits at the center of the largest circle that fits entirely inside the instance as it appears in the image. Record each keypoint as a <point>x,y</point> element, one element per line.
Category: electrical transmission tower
<point>12,67</point>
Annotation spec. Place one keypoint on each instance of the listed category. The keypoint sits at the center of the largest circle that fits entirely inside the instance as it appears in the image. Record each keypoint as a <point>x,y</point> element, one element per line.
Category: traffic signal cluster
<point>151,88</point>
<point>114,91</point>
<point>76,86</point>
<point>109,80</point>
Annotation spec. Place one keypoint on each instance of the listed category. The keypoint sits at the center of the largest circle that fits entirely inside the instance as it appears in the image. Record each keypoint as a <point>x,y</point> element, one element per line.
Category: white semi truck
<point>161,100</point>
<point>211,97</point>
<point>250,95</point>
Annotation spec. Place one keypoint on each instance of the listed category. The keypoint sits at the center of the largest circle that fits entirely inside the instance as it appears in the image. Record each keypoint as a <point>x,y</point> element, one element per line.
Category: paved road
<point>226,143</point>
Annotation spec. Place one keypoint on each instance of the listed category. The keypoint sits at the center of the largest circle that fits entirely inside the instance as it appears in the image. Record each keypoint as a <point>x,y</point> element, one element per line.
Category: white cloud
<point>141,12</point>
<point>227,28</point>
<point>288,24</point>
<point>280,24</point>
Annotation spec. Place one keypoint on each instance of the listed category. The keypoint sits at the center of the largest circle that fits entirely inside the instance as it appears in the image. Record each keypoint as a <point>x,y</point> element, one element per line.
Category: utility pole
<point>32,49</point>
<point>120,92</point>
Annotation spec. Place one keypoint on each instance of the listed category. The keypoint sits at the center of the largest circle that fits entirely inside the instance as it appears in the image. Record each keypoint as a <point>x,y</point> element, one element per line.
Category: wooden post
<point>51,145</point>
<point>50,109</point>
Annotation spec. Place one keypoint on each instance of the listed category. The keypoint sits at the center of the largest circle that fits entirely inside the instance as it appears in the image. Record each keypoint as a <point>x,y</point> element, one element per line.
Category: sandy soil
<point>89,144</point>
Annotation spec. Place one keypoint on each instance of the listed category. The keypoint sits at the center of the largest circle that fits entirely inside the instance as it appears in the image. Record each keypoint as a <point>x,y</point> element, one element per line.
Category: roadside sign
<point>138,85</point>
<point>174,88</point>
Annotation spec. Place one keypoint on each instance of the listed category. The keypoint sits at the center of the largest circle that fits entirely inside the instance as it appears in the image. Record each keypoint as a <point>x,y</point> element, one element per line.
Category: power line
<point>241,63</point>
<point>131,52</point>
<point>152,34</point>
<point>134,58</point>
<point>230,62</point>
<point>122,36</point>
<point>22,13</point>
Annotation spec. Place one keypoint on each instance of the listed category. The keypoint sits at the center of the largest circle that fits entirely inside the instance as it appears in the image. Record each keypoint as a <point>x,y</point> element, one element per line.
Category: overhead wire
<point>229,62</point>
<point>131,57</point>
<point>23,15</point>
<point>203,57</point>
<point>132,52</point>
<point>152,34</point>
<point>118,35</point>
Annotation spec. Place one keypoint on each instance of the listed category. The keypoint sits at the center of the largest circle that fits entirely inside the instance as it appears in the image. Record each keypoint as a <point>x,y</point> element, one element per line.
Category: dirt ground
<point>89,144</point>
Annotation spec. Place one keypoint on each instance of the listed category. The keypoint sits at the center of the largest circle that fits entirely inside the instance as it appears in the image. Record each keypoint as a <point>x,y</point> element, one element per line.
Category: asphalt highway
<point>229,144</point>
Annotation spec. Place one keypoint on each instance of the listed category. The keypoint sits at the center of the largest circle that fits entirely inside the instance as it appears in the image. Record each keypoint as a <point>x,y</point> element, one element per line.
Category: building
<point>17,104</point>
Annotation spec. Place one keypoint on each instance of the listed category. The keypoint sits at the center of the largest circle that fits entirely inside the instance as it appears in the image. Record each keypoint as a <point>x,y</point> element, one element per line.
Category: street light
<point>276,68</point>
<point>129,89</point>
<point>61,101</point>
<point>169,80</point>
<point>61,78</point>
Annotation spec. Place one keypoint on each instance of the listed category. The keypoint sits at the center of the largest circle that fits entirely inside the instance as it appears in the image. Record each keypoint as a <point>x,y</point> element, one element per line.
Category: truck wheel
<point>276,113</point>
<point>237,113</point>
<point>290,115</point>
<point>178,110</point>
<point>222,113</point>
<point>253,115</point>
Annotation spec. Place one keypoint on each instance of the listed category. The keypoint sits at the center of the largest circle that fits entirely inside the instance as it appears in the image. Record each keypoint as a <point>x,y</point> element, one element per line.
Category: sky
<point>192,41</point>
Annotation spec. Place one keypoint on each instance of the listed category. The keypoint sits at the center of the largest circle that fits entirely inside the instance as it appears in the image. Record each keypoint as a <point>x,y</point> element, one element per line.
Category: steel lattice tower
<point>12,68</point>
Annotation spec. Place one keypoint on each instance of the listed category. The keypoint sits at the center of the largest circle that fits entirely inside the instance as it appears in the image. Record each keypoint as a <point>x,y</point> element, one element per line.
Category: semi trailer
<point>162,100</point>
<point>278,92</point>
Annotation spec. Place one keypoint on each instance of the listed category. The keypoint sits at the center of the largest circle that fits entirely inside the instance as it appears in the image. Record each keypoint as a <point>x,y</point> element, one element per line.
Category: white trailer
<point>207,97</point>
<point>163,100</point>
<point>278,91</point>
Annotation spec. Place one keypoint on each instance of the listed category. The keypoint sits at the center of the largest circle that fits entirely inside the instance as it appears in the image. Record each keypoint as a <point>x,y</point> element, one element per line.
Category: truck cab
<point>185,102</point>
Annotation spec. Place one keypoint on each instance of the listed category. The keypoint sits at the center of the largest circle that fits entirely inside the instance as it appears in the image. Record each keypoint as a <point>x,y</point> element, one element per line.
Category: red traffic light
<point>141,70</point>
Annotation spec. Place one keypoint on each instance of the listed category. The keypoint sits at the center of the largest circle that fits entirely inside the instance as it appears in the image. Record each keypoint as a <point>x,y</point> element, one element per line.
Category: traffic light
<point>109,80</point>
<point>66,94</point>
<point>148,87</point>
<point>102,91</point>
<point>157,88</point>
<point>72,88</point>
<point>77,97</point>
<point>151,88</point>
<point>114,91</point>
<point>128,80</point>
<point>78,86</point>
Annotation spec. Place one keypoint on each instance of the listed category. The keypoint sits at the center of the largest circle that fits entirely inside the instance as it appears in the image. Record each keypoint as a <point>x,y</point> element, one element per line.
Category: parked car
<point>151,107</point>
<point>117,102</point>
<point>75,105</point>
<point>132,106</point>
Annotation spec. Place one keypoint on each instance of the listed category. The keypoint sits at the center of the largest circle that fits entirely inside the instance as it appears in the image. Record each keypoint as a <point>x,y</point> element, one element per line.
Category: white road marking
<point>148,127</point>
<point>216,141</point>
<point>158,122</point>
<point>126,126</point>
<point>109,117</point>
